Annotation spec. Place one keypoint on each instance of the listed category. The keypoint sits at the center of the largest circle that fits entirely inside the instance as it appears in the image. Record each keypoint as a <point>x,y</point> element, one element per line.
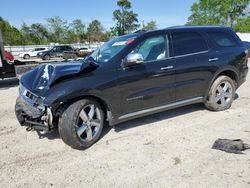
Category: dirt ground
<point>170,149</point>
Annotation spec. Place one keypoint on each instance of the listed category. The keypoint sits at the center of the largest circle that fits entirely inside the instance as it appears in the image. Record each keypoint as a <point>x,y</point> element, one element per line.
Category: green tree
<point>76,31</point>
<point>126,20</point>
<point>243,25</point>
<point>11,35</point>
<point>25,32</point>
<point>150,26</point>
<point>58,29</point>
<point>217,12</point>
<point>95,31</point>
<point>39,33</point>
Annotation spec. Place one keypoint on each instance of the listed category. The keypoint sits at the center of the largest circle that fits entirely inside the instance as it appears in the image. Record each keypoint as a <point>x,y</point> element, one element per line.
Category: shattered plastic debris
<point>231,146</point>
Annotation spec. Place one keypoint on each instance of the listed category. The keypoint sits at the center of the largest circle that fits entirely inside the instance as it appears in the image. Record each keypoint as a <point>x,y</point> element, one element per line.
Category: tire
<point>221,94</point>
<point>18,113</point>
<point>81,124</point>
<point>26,56</point>
<point>46,57</point>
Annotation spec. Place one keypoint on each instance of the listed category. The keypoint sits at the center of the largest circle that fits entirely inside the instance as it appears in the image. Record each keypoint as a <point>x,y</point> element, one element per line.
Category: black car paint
<point>129,90</point>
<point>56,53</point>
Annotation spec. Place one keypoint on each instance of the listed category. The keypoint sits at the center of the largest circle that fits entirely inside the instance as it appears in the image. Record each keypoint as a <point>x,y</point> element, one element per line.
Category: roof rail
<point>140,31</point>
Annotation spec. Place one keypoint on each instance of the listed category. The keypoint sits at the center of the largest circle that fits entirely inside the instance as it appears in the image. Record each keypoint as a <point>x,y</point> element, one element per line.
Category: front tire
<point>81,124</point>
<point>46,57</point>
<point>221,94</point>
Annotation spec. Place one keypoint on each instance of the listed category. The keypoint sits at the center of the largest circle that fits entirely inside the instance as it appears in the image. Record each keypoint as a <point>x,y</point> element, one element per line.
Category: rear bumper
<point>243,77</point>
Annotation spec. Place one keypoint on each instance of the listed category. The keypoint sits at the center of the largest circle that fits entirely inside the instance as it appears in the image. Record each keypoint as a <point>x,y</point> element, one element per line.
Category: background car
<point>56,51</point>
<point>247,45</point>
<point>32,52</point>
<point>84,51</point>
<point>9,57</point>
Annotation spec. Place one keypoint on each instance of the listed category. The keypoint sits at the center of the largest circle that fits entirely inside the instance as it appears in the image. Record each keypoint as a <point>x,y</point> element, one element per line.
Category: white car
<point>85,49</point>
<point>32,52</point>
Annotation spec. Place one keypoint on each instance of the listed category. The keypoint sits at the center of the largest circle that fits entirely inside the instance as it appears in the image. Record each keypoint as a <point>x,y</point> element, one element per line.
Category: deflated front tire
<point>81,124</point>
<point>19,112</point>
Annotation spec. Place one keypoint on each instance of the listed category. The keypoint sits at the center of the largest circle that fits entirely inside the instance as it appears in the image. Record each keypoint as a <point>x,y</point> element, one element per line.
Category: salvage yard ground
<point>169,149</point>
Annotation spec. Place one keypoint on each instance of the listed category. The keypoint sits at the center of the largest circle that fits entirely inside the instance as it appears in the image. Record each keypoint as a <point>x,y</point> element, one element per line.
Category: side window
<point>60,48</point>
<point>65,48</point>
<point>153,48</point>
<point>56,49</point>
<point>223,39</point>
<point>188,42</point>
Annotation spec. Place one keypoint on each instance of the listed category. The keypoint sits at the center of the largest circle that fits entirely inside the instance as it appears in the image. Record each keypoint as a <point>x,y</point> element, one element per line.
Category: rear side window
<point>188,42</point>
<point>67,48</point>
<point>223,39</point>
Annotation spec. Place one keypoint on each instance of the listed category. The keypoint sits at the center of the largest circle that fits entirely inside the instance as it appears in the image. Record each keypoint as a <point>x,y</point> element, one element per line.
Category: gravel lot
<point>170,149</point>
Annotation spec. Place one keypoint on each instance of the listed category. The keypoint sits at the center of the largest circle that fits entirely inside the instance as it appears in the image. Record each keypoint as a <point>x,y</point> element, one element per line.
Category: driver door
<point>151,83</point>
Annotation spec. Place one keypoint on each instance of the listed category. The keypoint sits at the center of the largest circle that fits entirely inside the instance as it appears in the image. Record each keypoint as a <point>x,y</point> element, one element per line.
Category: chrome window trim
<point>196,53</point>
<point>179,56</point>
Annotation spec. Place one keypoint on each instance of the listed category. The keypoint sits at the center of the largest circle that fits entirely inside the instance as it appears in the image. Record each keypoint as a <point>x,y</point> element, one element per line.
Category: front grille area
<point>30,98</point>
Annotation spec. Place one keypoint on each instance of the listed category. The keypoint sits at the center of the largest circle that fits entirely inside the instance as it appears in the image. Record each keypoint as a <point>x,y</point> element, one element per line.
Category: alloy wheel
<point>224,94</point>
<point>89,123</point>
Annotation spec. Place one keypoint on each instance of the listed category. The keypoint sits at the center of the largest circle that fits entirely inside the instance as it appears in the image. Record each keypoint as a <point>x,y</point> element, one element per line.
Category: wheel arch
<point>231,72</point>
<point>105,106</point>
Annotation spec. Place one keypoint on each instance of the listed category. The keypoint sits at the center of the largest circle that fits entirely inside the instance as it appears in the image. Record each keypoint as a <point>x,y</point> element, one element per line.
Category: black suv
<point>132,76</point>
<point>56,51</point>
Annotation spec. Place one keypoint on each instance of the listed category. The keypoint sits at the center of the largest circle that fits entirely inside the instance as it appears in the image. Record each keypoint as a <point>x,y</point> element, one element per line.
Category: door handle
<point>213,59</point>
<point>167,68</point>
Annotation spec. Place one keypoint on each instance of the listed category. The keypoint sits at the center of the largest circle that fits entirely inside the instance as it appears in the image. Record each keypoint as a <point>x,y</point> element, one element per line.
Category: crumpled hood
<point>40,79</point>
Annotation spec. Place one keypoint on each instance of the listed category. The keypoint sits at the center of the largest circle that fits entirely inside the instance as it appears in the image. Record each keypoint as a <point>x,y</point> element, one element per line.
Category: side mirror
<point>132,59</point>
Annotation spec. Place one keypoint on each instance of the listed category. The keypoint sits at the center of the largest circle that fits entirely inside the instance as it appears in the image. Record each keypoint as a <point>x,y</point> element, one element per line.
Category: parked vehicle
<point>10,67</point>
<point>132,76</point>
<point>9,57</point>
<point>84,51</point>
<point>247,45</point>
<point>6,68</point>
<point>56,51</point>
<point>32,52</point>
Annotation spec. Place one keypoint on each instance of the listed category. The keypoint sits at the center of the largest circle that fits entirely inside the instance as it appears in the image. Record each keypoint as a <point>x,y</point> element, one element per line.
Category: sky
<point>165,12</point>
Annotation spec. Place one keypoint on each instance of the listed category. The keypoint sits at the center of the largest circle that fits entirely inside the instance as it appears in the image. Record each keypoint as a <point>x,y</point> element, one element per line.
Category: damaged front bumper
<point>30,113</point>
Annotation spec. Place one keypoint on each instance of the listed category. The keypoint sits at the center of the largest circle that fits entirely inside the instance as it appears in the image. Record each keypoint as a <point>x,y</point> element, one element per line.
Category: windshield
<point>111,48</point>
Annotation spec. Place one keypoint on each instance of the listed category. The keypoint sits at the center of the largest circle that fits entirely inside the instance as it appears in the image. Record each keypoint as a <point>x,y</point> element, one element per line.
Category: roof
<point>196,27</point>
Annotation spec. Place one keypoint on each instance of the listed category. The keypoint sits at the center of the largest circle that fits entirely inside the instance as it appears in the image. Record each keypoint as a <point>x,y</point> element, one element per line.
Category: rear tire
<point>81,124</point>
<point>26,56</point>
<point>221,94</point>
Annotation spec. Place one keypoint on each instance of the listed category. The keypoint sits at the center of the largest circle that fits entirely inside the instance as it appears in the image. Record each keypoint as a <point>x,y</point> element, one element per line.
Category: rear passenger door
<point>191,53</point>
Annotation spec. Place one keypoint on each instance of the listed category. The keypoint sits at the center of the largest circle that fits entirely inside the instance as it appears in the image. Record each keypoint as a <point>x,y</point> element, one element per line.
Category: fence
<point>15,50</point>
